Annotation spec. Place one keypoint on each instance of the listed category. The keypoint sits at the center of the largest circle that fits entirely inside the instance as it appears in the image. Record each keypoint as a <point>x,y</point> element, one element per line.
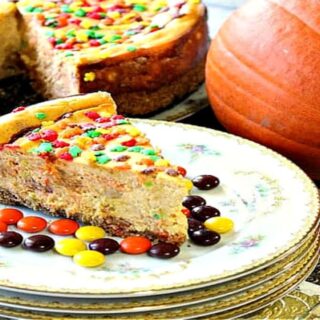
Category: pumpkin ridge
<point>230,109</point>
<point>244,61</point>
<point>307,159</point>
<point>266,105</point>
<point>295,16</point>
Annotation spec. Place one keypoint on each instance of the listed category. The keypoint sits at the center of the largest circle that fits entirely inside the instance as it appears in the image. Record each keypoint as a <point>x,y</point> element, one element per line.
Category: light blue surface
<point>219,11</point>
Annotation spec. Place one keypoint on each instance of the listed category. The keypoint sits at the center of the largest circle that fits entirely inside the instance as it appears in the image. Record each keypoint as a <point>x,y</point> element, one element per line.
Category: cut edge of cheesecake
<point>129,190</point>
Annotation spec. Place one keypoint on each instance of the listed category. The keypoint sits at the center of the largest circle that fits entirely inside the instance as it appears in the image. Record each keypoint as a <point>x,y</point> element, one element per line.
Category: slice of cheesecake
<point>75,157</point>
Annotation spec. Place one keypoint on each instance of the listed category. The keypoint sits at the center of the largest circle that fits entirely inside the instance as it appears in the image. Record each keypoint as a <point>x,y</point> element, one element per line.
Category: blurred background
<point>219,10</point>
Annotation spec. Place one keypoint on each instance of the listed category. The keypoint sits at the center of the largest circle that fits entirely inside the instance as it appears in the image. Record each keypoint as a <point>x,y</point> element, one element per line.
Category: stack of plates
<point>275,245</point>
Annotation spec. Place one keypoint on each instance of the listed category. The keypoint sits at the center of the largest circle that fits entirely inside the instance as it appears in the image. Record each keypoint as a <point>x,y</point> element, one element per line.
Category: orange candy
<point>3,227</point>
<point>10,215</point>
<point>135,245</point>
<point>32,224</point>
<point>63,227</point>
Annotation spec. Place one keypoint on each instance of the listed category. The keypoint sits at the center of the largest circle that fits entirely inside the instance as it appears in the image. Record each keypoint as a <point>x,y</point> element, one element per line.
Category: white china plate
<point>272,202</point>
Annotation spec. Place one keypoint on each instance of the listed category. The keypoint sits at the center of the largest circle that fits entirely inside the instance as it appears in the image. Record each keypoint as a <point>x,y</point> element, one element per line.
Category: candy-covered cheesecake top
<point>93,136</point>
<point>96,29</point>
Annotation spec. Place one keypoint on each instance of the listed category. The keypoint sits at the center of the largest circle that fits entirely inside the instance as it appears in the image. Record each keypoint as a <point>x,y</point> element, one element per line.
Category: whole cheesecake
<point>75,157</point>
<point>146,53</point>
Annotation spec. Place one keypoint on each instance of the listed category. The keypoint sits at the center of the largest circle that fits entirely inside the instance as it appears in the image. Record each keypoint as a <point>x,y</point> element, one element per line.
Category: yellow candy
<point>189,184</point>
<point>87,24</point>
<point>81,36</point>
<point>69,247</point>
<point>103,131</point>
<point>219,224</point>
<point>89,76</point>
<point>134,132</point>
<point>104,114</point>
<point>128,16</point>
<point>47,123</point>
<point>89,258</point>
<point>114,14</point>
<point>82,142</point>
<point>90,233</point>
<point>48,5</point>
<point>162,163</point>
<point>87,156</point>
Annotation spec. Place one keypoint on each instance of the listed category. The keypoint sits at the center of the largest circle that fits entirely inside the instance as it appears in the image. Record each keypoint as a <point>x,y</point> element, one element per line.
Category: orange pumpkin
<point>263,77</point>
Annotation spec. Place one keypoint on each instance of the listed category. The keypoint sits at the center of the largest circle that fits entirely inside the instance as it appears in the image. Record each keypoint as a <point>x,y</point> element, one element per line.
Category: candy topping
<point>94,136</point>
<point>74,25</point>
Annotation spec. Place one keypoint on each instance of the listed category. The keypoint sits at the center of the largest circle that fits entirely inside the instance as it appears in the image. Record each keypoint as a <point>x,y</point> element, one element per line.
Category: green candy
<point>45,147</point>
<point>75,151</point>
<point>148,184</point>
<point>66,9</point>
<point>71,34</point>
<point>91,34</point>
<point>135,149</point>
<point>29,8</point>
<point>59,41</point>
<point>80,13</point>
<point>118,149</point>
<point>98,35</point>
<point>157,216</point>
<point>69,54</point>
<point>38,10</point>
<point>102,41</point>
<point>139,8</point>
<point>149,152</point>
<point>114,38</point>
<point>154,158</point>
<point>93,134</point>
<point>131,48</point>
<point>40,115</point>
<point>103,159</point>
<point>98,153</point>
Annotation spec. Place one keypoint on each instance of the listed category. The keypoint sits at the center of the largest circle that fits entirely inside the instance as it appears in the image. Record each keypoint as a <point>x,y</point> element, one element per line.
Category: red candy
<point>63,227</point>
<point>182,171</point>
<point>60,144</point>
<point>186,212</point>
<point>92,115</point>
<point>94,15</point>
<point>3,227</point>
<point>66,156</point>
<point>102,120</point>
<point>18,109</point>
<point>64,46</point>
<point>52,40</point>
<point>34,136</point>
<point>10,215</point>
<point>117,117</point>
<point>75,21</point>
<point>32,224</point>
<point>135,245</point>
<point>94,43</point>
<point>129,143</point>
<point>49,135</point>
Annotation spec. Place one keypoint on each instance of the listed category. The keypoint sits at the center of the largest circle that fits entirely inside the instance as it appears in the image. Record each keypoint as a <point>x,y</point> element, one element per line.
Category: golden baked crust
<point>75,157</point>
<point>148,46</point>
<point>16,122</point>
